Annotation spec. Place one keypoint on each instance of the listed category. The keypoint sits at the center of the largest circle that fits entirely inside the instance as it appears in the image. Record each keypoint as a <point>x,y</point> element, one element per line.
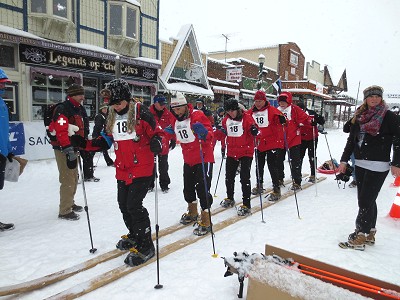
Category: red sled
<point>323,171</point>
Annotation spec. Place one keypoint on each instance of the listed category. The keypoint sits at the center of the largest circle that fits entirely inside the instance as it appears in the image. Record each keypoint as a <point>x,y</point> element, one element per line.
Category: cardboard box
<point>257,290</point>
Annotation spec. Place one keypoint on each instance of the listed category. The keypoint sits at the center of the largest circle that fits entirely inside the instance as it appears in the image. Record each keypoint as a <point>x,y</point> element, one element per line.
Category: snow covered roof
<point>240,59</point>
<point>225,90</point>
<point>307,91</point>
<point>92,47</point>
<point>185,87</point>
<point>18,32</point>
<point>223,81</point>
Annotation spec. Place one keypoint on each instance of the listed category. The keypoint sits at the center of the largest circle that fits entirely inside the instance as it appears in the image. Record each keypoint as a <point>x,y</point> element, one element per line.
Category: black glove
<point>282,119</point>
<point>346,175</point>
<point>155,144</point>
<point>223,152</point>
<point>313,123</point>
<point>200,131</point>
<point>78,141</point>
<point>10,156</point>
<point>72,158</point>
<point>102,143</point>
<point>253,130</point>
<point>172,144</point>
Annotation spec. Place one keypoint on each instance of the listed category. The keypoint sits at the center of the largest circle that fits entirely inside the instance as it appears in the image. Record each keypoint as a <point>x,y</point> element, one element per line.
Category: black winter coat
<point>375,148</point>
<point>99,122</point>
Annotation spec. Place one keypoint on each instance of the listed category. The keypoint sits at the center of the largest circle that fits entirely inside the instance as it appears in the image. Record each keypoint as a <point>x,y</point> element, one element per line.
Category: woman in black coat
<point>374,129</point>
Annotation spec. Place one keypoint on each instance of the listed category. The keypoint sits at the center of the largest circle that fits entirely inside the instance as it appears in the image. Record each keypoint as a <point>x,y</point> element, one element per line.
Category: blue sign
<point>17,138</point>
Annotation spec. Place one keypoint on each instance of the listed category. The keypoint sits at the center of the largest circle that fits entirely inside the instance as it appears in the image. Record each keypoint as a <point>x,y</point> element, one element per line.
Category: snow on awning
<point>185,87</point>
<point>307,92</point>
<point>225,90</point>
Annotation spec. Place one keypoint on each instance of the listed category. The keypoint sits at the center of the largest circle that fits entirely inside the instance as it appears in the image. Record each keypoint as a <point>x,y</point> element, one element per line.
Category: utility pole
<point>226,43</point>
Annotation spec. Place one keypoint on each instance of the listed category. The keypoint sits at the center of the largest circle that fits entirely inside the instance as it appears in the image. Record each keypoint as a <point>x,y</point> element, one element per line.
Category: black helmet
<point>231,104</point>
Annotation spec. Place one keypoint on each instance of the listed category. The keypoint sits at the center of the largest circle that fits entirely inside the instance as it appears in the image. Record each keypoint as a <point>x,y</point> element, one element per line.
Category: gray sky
<point>362,36</point>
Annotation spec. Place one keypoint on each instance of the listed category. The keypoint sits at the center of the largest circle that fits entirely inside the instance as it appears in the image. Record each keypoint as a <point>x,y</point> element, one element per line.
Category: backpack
<point>48,120</point>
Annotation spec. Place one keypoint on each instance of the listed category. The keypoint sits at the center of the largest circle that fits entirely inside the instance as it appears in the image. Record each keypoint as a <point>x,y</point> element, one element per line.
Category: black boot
<point>144,249</point>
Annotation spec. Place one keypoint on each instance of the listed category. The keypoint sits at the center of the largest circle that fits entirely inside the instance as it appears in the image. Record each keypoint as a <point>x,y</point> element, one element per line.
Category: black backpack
<point>48,119</point>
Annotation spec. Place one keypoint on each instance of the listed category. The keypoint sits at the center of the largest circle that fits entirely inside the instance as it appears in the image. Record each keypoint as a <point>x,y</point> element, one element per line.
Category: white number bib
<point>286,111</point>
<point>183,132</point>
<point>261,118</point>
<point>235,128</point>
<point>120,130</point>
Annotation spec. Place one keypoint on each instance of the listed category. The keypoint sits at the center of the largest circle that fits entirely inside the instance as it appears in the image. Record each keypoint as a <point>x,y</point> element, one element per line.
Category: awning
<point>55,73</point>
<point>225,90</point>
<point>187,88</point>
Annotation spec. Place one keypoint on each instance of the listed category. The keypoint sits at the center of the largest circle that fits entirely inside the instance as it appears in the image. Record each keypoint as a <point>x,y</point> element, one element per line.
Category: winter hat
<point>103,105</point>
<point>199,100</point>
<point>260,95</point>
<point>160,99</point>
<point>119,90</point>
<point>178,100</point>
<point>286,97</point>
<point>373,90</point>
<point>220,110</point>
<point>231,104</point>
<point>3,77</point>
<point>75,90</point>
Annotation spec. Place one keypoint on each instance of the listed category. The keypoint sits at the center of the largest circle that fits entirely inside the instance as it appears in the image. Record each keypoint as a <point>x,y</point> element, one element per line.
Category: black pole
<point>219,173</point>
<point>158,285</point>
<point>92,250</point>
<point>258,179</point>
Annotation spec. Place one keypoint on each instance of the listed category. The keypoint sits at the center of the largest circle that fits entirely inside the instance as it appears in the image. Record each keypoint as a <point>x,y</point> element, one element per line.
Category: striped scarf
<point>370,120</point>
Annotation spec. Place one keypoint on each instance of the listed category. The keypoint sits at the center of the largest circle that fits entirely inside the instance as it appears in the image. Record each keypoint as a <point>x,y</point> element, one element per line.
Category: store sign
<point>51,57</point>
<point>234,74</point>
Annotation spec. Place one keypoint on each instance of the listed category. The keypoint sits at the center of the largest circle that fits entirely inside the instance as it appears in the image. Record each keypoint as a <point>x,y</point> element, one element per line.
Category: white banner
<point>234,74</point>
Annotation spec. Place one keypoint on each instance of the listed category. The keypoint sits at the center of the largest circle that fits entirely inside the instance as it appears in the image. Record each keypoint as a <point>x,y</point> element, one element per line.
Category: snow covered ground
<point>42,244</point>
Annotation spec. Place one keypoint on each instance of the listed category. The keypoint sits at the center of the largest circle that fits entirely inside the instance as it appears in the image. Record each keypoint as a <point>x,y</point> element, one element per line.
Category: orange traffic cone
<point>395,210</point>
<point>396,181</point>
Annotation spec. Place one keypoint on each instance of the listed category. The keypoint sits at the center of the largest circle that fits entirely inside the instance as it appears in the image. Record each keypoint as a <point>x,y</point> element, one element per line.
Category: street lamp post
<point>261,61</point>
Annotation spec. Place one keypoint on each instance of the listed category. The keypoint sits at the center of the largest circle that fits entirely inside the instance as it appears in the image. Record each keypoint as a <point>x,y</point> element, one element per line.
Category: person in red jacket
<point>137,138</point>
<point>270,143</point>
<point>164,118</point>
<point>296,118</point>
<point>241,130</point>
<point>194,132</point>
<point>309,138</point>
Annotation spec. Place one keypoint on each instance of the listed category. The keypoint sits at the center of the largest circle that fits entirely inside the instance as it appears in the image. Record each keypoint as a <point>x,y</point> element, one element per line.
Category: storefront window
<point>38,6</point>
<point>7,57</point>
<point>90,85</point>
<point>142,93</point>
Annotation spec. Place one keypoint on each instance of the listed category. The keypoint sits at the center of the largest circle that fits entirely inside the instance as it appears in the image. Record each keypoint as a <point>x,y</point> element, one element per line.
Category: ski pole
<point>98,157</point>
<point>315,160</point>
<point>290,166</point>
<point>330,155</point>
<point>92,250</point>
<point>219,173</point>
<point>258,179</point>
<point>206,194</point>
<point>158,285</point>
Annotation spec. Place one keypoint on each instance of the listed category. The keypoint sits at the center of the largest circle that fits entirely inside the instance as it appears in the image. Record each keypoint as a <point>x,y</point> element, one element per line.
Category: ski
<point>86,265</point>
<point>114,274</point>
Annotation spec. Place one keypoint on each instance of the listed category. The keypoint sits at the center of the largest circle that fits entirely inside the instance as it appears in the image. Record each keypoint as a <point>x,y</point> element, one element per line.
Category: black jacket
<point>376,148</point>
<point>99,122</point>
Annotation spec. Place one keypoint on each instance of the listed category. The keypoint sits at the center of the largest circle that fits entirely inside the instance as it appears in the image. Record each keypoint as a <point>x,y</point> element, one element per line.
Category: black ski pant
<point>193,183</point>
<point>134,214</point>
<point>107,158</point>
<point>369,184</point>
<point>309,147</point>
<point>295,163</point>
<point>3,161</point>
<point>230,174</point>
<point>261,164</point>
<point>162,172</point>
<point>275,164</point>
<point>87,158</point>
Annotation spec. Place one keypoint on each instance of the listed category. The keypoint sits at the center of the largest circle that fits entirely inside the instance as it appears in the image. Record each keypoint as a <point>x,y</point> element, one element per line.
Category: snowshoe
<point>190,216</point>
<point>257,190</point>
<point>92,179</point>
<point>353,184</point>
<point>370,239</point>
<point>244,211</point>
<point>295,187</point>
<point>136,258</point>
<point>356,241</point>
<point>72,216</point>
<point>311,179</point>
<point>204,225</point>
<point>226,203</point>
<point>126,242</point>
<point>77,208</point>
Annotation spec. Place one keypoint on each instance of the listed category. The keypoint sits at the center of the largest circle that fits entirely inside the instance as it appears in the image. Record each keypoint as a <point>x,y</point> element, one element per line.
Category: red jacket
<point>307,130</point>
<point>134,158</point>
<point>271,133</point>
<point>239,140</point>
<point>189,142</point>
<point>296,118</point>
<point>165,119</point>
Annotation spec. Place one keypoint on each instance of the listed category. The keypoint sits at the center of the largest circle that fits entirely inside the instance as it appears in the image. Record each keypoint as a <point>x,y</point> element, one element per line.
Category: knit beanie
<point>75,90</point>
<point>260,95</point>
<point>177,100</point>
<point>373,90</point>
<point>118,91</point>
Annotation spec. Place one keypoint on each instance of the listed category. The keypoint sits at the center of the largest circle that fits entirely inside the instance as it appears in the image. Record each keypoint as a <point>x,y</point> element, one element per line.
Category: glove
<point>253,130</point>
<point>102,143</point>
<point>313,123</point>
<point>172,144</point>
<point>155,144</point>
<point>282,119</point>
<point>78,141</point>
<point>200,131</point>
<point>223,152</point>
<point>10,156</point>
<point>72,158</point>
